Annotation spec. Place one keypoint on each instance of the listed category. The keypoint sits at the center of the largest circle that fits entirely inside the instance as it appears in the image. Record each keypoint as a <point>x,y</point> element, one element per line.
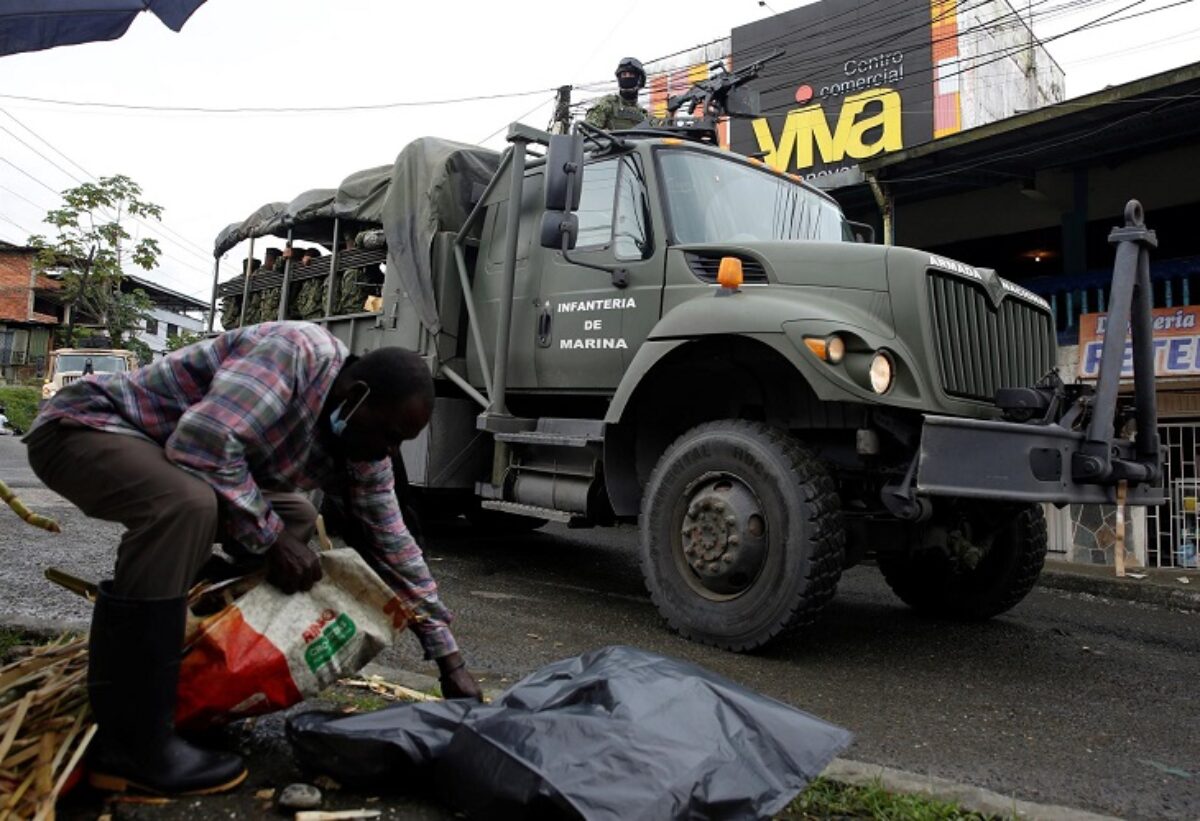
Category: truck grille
<point>66,380</point>
<point>980,348</point>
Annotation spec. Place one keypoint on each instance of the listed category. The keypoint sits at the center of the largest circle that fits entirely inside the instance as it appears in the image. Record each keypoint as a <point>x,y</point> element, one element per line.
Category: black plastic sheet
<point>618,733</point>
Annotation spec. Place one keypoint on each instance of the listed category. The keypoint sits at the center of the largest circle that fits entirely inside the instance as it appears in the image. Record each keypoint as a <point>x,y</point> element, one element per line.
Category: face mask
<point>627,83</point>
<point>337,423</point>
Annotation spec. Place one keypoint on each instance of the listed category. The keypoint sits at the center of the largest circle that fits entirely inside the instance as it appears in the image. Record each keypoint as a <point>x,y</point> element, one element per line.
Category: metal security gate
<point>1172,529</point>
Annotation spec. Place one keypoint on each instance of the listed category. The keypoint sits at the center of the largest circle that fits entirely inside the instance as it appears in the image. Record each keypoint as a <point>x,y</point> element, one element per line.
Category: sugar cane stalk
<point>25,513</point>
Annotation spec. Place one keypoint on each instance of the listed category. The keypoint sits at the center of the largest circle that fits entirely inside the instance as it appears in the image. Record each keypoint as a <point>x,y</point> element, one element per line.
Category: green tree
<point>141,349</point>
<point>91,246</point>
<point>182,340</point>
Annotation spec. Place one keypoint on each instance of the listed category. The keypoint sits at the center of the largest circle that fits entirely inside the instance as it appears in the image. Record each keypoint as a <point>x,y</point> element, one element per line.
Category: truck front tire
<point>931,582</point>
<point>741,535</point>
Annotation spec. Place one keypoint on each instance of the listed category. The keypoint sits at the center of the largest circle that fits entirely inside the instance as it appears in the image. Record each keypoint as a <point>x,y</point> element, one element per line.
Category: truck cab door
<point>588,327</point>
<point>487,286</point>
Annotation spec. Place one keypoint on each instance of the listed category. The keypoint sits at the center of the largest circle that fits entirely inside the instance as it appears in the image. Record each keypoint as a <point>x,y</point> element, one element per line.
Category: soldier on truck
<point>621,110</point>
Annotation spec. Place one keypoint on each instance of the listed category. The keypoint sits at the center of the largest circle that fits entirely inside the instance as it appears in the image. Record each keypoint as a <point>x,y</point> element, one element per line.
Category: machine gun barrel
<point>714,91</point>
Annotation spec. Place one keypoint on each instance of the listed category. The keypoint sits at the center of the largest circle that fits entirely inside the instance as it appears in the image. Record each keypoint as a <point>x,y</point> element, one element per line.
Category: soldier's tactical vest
<point>626,116</point>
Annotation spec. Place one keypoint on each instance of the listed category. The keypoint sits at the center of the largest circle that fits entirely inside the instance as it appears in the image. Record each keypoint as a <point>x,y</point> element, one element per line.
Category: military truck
<point>69,364</point>
<point>644,328</point>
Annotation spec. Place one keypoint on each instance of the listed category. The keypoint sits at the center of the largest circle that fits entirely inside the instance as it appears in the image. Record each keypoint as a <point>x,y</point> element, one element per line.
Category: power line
<point>159,228</point>
<point>163,254</point>
<point>275,109</point>
<point>18,168</point>
<point>28,233</point>
<point>21,196</point>
<point>996,55</point>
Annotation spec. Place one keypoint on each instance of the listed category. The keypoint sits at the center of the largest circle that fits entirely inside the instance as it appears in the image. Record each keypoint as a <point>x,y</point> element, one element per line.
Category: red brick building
<point>29,312</point>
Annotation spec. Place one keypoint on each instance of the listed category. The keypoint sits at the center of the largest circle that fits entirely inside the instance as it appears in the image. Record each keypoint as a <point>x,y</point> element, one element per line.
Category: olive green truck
<point>644,328</point>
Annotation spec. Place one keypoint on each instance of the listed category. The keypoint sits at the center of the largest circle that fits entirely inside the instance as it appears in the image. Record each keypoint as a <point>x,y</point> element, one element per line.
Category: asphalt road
<point>1068,699</point>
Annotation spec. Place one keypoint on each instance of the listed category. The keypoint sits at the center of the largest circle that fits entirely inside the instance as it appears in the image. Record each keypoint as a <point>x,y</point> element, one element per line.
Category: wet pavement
<point>1068,699</point>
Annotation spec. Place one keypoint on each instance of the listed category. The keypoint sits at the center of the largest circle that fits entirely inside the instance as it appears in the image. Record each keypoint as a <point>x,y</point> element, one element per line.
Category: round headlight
<point>835,348</point>
<point>882,373</point>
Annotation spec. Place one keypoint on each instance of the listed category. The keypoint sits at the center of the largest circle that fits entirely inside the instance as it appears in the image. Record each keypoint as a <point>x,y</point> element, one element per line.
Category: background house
<point>29,313</point>
<point>172,313</point>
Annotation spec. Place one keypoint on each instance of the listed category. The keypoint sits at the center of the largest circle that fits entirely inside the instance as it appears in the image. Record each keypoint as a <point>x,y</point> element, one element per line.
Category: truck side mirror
<point>564,172</point>
<point>862,232</point>
<point>557,226</point>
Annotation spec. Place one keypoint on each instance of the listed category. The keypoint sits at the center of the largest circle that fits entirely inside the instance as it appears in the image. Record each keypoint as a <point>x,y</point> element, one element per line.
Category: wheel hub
<point>724,539</point>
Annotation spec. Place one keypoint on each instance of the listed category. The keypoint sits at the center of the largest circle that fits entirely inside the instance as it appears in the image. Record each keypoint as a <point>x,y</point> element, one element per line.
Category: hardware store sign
<point>1176,343</point>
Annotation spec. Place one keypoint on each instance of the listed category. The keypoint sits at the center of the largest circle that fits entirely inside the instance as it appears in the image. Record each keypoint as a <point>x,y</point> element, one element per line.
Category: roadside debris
<point>299,797</point>
<point>45,727</point>
<point>615,733</point>
<point>387,689</point>
<point>336,815</point>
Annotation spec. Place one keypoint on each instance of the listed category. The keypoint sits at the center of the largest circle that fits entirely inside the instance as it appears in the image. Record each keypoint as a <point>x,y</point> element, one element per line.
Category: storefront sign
<point>855,82</point>
<point>1176,343</point>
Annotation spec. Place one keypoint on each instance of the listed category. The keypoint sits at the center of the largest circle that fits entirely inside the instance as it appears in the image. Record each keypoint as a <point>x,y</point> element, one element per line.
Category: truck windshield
<point>713,199</point>
<point>76,363</point>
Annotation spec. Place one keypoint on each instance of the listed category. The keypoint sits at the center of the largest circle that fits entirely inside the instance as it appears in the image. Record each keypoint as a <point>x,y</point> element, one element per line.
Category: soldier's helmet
<point>635,65</point>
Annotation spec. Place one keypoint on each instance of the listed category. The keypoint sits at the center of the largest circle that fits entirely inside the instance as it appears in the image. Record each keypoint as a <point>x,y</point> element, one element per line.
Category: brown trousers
<point>171,518</point>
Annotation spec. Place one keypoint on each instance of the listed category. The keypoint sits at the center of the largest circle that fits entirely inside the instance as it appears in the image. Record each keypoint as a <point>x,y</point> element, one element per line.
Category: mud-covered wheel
<point>741,535</point>
<point>1013,541</point>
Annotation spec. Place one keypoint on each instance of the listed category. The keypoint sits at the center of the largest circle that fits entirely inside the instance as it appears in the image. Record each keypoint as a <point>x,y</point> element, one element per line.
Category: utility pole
<point>562,111</point>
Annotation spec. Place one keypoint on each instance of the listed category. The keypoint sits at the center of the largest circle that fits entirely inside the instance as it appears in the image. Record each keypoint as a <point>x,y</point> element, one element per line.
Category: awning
<point>33,25</point>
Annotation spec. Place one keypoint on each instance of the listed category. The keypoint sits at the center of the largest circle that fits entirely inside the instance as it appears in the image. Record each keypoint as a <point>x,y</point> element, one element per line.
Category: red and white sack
<point>268,651</point>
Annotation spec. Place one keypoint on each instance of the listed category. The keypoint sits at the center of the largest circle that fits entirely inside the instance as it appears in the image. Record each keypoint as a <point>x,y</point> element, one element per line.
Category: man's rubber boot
<point>133,673</point>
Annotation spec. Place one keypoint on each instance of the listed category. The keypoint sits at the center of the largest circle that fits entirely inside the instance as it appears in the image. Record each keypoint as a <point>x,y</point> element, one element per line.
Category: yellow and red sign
<point>1176,343</point>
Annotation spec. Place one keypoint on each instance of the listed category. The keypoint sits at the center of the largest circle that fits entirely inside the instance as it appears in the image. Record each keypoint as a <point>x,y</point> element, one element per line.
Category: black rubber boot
<point>133,674</point>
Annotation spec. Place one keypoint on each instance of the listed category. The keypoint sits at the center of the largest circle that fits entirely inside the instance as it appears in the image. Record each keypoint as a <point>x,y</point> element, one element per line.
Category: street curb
<point>977,799</point>
<point>858,773</point>
<point>1126,589</point>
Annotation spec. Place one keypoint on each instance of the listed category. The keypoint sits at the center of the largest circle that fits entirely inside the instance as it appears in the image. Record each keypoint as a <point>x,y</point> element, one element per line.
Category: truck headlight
<point>47,391</point>
<point>835,348</point>
<point>882,373</point>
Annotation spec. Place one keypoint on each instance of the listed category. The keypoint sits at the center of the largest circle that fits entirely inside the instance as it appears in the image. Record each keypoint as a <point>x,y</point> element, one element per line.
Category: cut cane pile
<point>45,727</point>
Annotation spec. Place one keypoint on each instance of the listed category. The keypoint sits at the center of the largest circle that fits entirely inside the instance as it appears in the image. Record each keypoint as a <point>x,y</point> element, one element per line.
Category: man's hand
<point>455,680</point>
<point>292,565</point>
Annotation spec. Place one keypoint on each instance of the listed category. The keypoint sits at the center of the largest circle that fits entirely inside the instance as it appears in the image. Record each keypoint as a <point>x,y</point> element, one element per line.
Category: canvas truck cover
<point>360,196</point>
<point>310,216</point>
<point>259,223</point>
<point>432,188</point>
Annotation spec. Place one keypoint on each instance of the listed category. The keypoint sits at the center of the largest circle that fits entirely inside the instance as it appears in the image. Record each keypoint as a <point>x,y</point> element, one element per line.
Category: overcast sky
<point>208,170</point>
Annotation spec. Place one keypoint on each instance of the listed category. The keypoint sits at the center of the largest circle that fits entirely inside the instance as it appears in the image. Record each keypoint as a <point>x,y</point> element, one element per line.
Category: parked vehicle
<point>68,364</point>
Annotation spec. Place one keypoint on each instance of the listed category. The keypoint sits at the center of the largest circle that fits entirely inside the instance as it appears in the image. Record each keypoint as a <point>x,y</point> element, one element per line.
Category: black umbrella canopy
<point>33,25</point>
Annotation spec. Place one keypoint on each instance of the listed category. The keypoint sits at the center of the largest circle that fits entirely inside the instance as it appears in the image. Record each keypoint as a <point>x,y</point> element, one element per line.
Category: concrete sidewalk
<point>1175,588</point>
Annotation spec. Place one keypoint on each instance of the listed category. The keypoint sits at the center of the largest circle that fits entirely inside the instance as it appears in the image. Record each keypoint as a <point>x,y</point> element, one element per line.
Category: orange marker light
<point>729,275</point>
<point>816,344</point>
<point>672,141</point>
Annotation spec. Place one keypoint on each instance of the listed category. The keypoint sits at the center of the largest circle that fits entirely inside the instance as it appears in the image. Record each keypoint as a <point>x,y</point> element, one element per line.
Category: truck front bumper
<point>1010,461</point>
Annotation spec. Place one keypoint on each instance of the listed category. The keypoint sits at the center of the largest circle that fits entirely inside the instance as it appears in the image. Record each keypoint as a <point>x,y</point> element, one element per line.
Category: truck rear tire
<point>741,535</point>
<point>930,582</point>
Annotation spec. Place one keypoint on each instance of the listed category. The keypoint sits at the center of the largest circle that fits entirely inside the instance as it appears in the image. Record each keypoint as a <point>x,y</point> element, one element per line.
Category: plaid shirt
<point>240,411</point>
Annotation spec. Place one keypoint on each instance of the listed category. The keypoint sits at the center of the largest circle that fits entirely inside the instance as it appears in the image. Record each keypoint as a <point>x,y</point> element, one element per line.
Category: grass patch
<point>21,403</point>
<point>10,639</point>
<point>362,700</point>
<point>825,799</point>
